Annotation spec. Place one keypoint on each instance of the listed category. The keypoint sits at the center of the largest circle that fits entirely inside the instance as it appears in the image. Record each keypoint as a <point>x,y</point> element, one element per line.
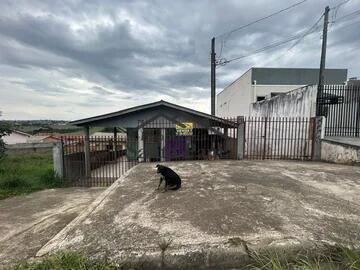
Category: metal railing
<point>340,104</point>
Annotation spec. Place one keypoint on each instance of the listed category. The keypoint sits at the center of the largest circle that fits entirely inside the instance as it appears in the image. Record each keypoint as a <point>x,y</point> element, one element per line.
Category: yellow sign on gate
<point>184,129</point>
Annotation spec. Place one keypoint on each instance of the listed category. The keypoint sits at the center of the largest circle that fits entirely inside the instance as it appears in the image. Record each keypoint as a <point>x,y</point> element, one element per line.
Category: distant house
<point>257,84</point>
<point>354,81</point>
<point>43,139</point>
<point>16,137</point>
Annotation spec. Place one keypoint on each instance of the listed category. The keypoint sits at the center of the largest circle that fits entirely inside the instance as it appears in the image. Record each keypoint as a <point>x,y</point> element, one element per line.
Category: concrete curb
<point>214,258</point>
<point>60,236</point>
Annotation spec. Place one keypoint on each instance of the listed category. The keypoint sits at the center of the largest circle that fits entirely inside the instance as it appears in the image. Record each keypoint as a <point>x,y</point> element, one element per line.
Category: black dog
<point>172,180</point>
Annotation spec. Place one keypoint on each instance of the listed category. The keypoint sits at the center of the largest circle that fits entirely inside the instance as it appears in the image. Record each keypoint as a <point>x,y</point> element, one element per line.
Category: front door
<point>152,144</point>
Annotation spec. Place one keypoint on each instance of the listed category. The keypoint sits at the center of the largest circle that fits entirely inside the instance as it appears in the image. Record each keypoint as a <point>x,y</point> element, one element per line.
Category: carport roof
<point>89,121</point>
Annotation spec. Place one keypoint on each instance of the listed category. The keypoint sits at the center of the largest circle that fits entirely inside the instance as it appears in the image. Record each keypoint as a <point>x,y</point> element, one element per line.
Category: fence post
<point>87,152</point>
<point>140,145</point>
<point>240,137</point>
<point>58,159</point>
<point>319,132</point>
<point>162,148</point>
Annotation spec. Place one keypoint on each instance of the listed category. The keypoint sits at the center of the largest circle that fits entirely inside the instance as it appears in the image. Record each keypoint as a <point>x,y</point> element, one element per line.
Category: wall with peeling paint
<point>300,102</point>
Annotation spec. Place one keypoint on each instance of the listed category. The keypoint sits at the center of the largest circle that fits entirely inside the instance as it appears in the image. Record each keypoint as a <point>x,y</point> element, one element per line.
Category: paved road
<point>265,203</point>
<point>28,222</point>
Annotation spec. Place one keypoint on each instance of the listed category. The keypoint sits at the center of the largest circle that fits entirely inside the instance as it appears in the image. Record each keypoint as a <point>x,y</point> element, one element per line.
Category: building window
<point>260,98</point>
<point>274,94</point>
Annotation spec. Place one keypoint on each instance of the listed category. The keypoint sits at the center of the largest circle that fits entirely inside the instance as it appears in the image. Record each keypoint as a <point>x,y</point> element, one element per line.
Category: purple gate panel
<point>175,148</point>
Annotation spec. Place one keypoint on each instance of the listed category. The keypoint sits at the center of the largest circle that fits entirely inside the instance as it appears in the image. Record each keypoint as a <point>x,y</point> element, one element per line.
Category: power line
<point>340,4</point>
<point>299,38</point>
<point>261,19</point>
<point>331,30</point>
<point>336,9</point>
<point>305,34</point>
<point>356,12</point>
<point>267,47</point>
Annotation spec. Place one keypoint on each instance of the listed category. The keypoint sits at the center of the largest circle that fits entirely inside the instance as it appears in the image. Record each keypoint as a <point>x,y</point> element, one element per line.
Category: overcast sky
<point>74,59</point>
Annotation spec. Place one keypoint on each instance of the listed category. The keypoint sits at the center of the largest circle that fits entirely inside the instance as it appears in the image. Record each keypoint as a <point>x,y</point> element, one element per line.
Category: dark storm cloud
<point>156,48</point>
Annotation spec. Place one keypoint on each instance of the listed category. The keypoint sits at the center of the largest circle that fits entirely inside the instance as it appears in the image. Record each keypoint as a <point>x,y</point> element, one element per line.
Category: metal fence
<point>340,104</point>
<point>166,140</point>
<point>279,138</point>
<point>108,160</point>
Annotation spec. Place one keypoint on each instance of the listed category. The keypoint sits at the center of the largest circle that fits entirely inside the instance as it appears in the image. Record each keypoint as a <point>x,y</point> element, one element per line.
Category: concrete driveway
<point>28,222</point>
<point>221,204</point>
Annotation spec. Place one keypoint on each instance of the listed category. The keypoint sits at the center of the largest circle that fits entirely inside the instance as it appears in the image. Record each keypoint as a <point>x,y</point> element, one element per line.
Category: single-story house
<point>43,139</point>
<point>163,131</point>
<point>16,136</point>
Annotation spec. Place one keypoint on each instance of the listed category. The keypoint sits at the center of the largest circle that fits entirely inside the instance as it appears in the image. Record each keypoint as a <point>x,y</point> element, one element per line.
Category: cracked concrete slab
<point>265,203</point>
<point>28,222</point>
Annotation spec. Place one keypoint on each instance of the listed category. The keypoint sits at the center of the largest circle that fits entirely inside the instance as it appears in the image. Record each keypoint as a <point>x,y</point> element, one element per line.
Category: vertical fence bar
<point>271,137</point>
<point>356,105</point>
<point>278,138</point>
<point>282,141</point>
<point>291,138</point>
<point>265,137</point>
<point>258,129</point>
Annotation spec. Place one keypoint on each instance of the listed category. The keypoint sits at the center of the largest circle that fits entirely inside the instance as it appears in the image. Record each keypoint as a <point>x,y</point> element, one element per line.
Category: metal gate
<point>108,159</point>
<point>279,138</point>
<point>340,104</point>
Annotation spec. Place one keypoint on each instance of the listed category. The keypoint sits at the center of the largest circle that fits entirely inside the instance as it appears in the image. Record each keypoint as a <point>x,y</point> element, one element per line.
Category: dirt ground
<point>30,221</point>
<point>220,204</point>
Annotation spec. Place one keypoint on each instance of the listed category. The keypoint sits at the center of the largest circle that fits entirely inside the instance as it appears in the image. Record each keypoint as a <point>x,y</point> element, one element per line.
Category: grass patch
<point>67,260</point>
<point>328,258</point>
<point>21,174</point>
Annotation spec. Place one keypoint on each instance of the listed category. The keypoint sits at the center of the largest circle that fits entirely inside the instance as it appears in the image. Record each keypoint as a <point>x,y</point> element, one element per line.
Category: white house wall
<point>15,138</point>
<point>235,99</point>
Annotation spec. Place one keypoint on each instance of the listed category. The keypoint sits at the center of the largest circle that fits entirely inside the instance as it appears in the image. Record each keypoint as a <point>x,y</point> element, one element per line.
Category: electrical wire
<point>340,4</point>
<point>267,47</point>
<point>308,31</point>
<point>261,19</point>
<point>299,38</point>
<point>356,12</point>
<point>336,9</point>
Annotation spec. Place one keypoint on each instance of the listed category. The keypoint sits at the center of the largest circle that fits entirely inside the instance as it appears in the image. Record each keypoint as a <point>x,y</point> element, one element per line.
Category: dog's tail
<point>175,187</point>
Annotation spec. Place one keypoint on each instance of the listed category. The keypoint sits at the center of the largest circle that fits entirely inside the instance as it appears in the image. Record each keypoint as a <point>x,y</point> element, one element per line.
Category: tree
<point>4,130</point>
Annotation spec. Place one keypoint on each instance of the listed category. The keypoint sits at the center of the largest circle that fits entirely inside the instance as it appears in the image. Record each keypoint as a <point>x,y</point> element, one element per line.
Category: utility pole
<point>322,59</point>
<point>213,76</point>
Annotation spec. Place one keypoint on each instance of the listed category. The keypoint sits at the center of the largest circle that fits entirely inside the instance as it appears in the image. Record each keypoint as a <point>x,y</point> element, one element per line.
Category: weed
<point>164,244</point>
<point>327,258</point>
<point>67,260</point>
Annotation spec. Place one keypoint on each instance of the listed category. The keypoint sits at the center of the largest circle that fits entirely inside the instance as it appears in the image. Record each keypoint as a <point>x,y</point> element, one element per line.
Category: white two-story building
<point>257,84</point>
